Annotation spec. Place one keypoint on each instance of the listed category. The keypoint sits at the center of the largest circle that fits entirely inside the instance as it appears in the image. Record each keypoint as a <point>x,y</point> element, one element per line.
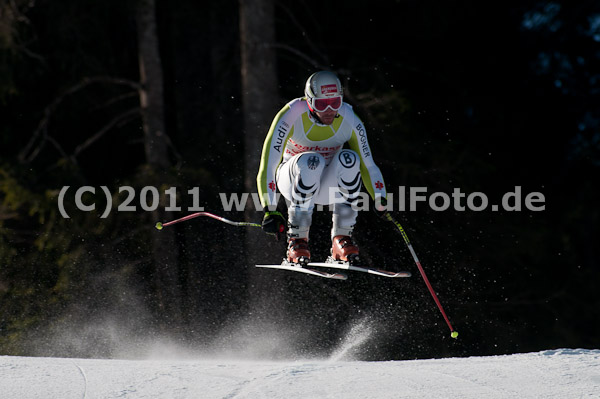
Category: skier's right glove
<point>381,209</point>
<point>274,223</point>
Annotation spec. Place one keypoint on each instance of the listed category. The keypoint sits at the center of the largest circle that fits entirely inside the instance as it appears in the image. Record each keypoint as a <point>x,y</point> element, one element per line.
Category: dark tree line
<point>152,93</point>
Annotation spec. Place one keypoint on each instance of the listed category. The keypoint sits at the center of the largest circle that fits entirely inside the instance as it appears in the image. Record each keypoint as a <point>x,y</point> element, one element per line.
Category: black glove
<point>274,223</point>
<point>380,208</point>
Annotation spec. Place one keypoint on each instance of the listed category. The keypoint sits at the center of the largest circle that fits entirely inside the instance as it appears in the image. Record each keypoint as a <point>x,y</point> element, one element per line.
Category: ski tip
<point>387,273</point>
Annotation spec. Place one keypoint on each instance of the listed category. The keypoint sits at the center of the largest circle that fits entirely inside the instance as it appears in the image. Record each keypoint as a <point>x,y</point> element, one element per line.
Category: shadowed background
<point>156,93</point>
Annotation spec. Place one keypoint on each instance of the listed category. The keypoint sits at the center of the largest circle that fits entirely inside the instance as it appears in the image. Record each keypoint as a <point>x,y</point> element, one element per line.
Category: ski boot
<point>344,249</point>
<point>298,252</point>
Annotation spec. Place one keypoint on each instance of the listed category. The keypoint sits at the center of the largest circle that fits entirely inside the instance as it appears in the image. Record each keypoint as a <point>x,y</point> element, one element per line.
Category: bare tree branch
<point>311,43</point>
<point>29,153</point>
<point>131,94</point>
<point>116,121</point>
<point>40,131</point>
<point>311,61</point>
<point>57,146</point>
<point>31,54</point>
<point>175,152</point>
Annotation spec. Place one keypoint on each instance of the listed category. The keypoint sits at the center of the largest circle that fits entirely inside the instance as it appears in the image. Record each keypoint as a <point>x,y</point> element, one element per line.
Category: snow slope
<point>560,374</point>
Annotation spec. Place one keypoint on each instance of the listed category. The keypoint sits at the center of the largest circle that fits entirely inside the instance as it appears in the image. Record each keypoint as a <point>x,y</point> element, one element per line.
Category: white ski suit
<point>306,161</point>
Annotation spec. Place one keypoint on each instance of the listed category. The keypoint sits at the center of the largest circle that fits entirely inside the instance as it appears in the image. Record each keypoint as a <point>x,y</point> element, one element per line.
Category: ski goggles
<point>321,104</point>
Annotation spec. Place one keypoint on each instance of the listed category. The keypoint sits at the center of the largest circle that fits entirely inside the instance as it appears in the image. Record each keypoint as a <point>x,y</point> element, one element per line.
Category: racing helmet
<point>323,90</point>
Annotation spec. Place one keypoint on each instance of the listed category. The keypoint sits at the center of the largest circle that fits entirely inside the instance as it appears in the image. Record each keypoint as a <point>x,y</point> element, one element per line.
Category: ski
<point>285,265</point>
<point>338,264</point>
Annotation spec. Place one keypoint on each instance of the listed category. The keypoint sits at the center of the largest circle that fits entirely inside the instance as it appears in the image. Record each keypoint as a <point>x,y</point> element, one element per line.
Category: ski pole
<point>453,333</point>
<point>160,225</point>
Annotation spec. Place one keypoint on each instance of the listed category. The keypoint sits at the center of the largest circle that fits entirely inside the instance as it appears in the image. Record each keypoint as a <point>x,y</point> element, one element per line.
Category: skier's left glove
<point>381,209</point>
<point>274,223</point>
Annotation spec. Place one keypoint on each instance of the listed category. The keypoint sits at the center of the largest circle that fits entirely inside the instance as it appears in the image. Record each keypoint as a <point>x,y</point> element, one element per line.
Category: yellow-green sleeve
<point>273,149</point>
<point>369,171</point>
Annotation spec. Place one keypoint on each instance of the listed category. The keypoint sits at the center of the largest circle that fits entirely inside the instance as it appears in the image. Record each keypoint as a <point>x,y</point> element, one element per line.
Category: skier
<point>303,157</point>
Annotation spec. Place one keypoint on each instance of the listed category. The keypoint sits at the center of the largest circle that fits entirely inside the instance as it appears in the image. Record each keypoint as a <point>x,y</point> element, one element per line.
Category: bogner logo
<point>364,146</point>
<point>347,158</point>
<point>328,89</point>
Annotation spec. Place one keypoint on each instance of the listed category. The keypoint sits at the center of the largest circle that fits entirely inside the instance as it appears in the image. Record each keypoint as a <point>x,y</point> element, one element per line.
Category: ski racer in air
<point>304,158</point>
